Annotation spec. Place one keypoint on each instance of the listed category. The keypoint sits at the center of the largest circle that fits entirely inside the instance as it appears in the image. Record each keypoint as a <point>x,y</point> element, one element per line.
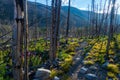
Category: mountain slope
<point>37,15</point>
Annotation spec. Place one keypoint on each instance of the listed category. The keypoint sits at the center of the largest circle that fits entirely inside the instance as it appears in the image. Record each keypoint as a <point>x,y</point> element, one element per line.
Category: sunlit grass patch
<point>111,74</point>
<point>113,68</point>
<point>53,73</point>
<point>90,62</point>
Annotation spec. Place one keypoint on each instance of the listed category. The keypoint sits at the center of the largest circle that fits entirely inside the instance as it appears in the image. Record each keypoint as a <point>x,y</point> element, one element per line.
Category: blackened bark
<point>16,43</point>
<point>68,23</point>
<point>110,34</point>
<point>56,4</point>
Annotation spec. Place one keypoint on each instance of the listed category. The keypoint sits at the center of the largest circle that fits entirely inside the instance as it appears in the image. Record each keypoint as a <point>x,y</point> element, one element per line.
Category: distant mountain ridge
<point>37,15</point>
<point>7,11</point>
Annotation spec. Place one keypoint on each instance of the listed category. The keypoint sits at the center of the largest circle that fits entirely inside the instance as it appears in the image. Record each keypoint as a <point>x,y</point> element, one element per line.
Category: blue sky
<point>75,3</point>
<point>80,4</point>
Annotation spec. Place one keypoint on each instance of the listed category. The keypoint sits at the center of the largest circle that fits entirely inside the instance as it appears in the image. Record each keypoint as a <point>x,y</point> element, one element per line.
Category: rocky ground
<point>79,71</point>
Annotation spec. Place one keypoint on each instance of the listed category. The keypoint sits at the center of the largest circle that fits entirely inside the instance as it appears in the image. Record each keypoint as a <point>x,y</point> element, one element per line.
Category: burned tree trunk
<point>58,7</point>
<point>93,18</point>
<point>35,19</point>
<point>110,33</point>
<point>68,23</point>
<point>55,28</point>
<point>16,44</point>
<point>46,22</point>
<point>26,40</point>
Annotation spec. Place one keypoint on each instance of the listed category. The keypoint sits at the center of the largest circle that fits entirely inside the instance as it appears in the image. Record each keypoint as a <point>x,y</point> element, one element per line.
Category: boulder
<point>83,70</point>
<point>90,76</point>
<point>42,74</point>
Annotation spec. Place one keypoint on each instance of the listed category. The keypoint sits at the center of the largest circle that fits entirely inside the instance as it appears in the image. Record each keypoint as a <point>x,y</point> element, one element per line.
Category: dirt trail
<point>77,62</point>
<point>78,59</point>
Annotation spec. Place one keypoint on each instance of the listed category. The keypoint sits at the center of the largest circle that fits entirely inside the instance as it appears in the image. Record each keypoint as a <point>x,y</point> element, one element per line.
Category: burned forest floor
<point>80,59</point>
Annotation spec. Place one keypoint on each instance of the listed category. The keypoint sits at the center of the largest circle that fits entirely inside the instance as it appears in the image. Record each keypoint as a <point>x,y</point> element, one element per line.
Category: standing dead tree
<point>116,28</point>
<point>46,21</point>
<point>26,77</point>
<point>35,18</point>
<point>102,18</point>
<point>20,36</point>
<point>106,18</point>
<point>17,39</point>
<point>93,17</point>
<point>68,23</point>
<point>110,33</point>
<point>56,4</point>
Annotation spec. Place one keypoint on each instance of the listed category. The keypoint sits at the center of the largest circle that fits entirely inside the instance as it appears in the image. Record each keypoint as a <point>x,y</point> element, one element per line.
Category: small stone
<point>77,59</point>
<point>105,65</point>
<point>56,78</point>
<point>110,79</point>
<point>83,70</point>
<point>91,76</point>
<point>42,74</point>
<point>93,68</point>
<point>83,61</point>
<point>119,75</point>
<point>87,54</point>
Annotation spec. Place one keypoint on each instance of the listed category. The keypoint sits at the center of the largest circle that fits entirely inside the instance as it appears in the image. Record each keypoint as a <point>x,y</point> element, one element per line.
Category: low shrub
<point>72,53</point>
<point>66,64</point>
<point>66,77</point>
<point>111,75</point>
<point>113,68</point>
<point>90,62</point>
<point>53,73</point>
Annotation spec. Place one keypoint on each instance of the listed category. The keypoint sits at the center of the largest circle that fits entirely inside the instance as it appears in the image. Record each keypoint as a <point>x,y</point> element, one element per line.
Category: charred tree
<point>26,40</point>
<point>110,33</point>
<point>46,22</point>
<point>35,19</point>
<point>56,4</point>
<point>16,39</point>
<point>68,23</point>
<point>93,18</point>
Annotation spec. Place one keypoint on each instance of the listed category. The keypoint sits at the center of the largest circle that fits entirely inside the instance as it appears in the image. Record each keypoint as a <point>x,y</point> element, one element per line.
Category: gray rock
<point>42,74</point>
<point>83,70</point>
<point>83,62</point>
<point>90,76</point>
<point>110,79</point>
<point>105,65</point>
<point>87,54</point>
<point>77,48</point>
<point>93,68</point>
<point>119,75</point>
<point>56,78</point>
<point>77,58</point>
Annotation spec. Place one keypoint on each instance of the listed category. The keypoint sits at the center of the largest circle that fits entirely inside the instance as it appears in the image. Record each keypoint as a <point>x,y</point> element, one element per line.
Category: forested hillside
<point>77,16</point>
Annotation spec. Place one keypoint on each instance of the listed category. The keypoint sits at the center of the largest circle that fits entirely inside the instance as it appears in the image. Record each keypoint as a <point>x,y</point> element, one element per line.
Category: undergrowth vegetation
<point>97,53</point>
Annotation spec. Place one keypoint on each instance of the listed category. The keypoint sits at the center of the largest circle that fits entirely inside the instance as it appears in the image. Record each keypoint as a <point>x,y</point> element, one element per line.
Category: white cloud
<point>83,8</point>
<point>65,2</point>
